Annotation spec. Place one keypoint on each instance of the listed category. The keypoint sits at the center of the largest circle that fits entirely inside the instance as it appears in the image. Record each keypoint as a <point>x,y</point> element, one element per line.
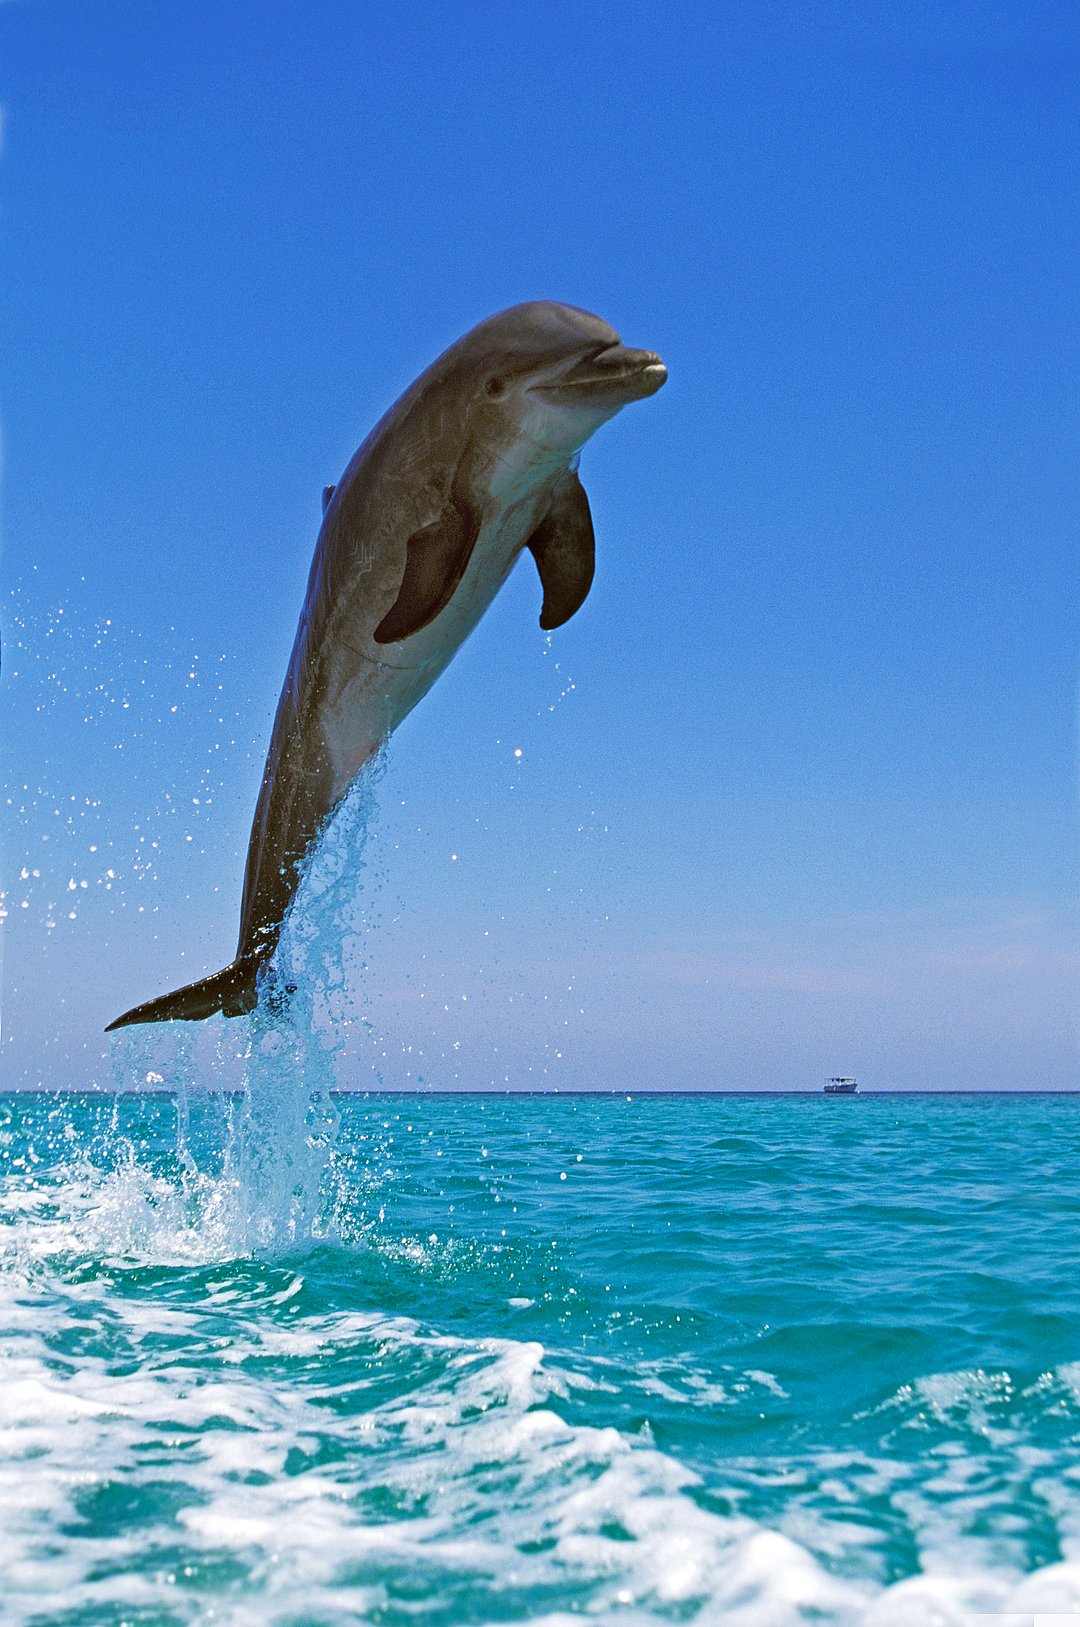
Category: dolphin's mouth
<point>612,371</point>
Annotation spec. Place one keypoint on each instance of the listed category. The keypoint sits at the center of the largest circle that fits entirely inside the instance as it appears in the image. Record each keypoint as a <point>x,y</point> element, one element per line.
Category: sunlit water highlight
<point>716,1360</point>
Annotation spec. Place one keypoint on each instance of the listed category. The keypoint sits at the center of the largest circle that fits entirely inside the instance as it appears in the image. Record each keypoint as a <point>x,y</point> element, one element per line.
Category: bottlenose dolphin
<point>476,461</point>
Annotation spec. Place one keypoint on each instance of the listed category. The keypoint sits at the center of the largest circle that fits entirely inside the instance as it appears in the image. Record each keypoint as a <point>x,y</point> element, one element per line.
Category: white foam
<point>472,1453</point>
<point>458,1472</point>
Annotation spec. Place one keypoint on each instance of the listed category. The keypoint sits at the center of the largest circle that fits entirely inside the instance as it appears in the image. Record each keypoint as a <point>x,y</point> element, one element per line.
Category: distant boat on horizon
<point>841,1086</point>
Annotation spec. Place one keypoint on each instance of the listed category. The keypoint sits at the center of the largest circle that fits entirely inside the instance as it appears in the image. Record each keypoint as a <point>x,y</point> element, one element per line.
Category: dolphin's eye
<point>494,386</point>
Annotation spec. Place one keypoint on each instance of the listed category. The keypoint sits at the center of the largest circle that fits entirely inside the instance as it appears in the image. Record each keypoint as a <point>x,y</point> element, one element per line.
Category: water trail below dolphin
<point>271,1184</point>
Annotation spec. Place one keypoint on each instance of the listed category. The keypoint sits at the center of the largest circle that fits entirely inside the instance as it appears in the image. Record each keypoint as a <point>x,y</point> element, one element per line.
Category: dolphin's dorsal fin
<point>564,548</point>
<point>327,493</point>
<point>435,562</point>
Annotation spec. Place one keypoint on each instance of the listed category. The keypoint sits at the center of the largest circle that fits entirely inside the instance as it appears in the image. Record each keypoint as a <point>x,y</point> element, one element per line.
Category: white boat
<point>840,1086</point>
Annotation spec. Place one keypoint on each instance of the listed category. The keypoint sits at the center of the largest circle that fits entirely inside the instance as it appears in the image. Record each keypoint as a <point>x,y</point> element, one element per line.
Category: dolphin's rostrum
<point>476,461</point>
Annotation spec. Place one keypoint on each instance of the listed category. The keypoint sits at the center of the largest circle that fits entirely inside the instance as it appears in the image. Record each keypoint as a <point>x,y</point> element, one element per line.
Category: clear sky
<point>797,787</point>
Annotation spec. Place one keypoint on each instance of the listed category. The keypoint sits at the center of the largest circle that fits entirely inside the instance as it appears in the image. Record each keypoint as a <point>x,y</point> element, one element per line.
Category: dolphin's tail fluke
<point>232,991</point>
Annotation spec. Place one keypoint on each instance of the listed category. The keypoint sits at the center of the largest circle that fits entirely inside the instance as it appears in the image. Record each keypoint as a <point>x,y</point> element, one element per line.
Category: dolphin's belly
<point>376,686</point>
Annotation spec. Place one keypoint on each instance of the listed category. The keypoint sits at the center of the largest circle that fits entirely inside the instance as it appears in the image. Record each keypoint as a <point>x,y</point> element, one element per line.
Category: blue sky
<point>797,787</point>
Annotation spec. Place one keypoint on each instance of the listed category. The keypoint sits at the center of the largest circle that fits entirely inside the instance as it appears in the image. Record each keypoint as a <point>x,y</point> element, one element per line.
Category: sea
<point>427,1360</point>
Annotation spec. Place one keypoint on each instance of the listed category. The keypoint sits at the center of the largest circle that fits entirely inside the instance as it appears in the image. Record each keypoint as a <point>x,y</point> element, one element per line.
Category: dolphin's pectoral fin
<point>564,548</point>
<point>327,493</point>
<point>434,565</point>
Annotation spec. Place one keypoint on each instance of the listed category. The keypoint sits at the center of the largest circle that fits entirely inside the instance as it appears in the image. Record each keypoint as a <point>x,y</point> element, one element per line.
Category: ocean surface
<point>429,1360</point>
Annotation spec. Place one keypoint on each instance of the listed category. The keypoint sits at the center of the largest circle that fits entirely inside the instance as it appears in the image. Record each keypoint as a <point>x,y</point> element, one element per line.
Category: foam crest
<point>480,1487</point>
<point>405,1404</point>
<point>250,1449</point>
<point>127,1213</point>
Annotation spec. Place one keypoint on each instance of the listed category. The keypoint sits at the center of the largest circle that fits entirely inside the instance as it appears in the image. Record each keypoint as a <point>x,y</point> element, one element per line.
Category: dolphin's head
<point>552,374</point>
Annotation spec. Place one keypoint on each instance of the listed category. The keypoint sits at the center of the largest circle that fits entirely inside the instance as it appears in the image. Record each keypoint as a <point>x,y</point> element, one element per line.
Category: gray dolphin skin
<point>476,462</point>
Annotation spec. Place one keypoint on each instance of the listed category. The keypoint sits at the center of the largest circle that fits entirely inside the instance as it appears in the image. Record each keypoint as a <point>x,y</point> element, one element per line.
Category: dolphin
<point>474,463</point>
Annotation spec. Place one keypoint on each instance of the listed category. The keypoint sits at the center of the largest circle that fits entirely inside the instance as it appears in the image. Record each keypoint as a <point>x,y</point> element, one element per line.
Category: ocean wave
<point>249,1454</point>
<point>378,1422</point>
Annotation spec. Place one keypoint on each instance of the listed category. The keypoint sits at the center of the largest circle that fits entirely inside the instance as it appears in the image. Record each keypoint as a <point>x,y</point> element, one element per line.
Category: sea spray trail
<point>280,1064</point>
<point>720,1360</point>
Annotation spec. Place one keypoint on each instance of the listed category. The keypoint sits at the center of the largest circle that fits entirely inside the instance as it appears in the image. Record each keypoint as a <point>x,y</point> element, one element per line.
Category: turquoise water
<point>496,1359</point>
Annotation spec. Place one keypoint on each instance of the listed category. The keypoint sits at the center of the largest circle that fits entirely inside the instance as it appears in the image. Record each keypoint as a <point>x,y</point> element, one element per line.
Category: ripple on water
<point>436,1407</point>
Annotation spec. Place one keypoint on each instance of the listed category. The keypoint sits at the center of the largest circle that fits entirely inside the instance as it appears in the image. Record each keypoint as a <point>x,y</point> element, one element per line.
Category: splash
<point>267,1180</point>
